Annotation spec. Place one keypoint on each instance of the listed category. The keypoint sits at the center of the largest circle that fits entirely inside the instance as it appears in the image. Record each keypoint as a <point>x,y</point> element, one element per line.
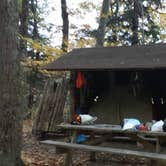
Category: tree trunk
<point>24,18</point>
<point>65,29</point>
<point>135,24</point>
<point>24,25</point>
<point>102,24</point>
<point>33,6</point>
<point>10,120</point>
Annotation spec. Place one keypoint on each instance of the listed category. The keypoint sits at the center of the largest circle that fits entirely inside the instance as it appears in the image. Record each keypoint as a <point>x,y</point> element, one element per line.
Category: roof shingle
<point>122,57</point>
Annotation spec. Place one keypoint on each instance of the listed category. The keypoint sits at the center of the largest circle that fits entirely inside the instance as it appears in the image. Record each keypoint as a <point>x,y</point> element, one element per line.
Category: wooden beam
<point>155,156</point>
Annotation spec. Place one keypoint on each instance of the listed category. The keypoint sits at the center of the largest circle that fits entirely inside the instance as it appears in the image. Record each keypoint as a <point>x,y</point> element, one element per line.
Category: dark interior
<point>155,83</point>
<point>150,85</point>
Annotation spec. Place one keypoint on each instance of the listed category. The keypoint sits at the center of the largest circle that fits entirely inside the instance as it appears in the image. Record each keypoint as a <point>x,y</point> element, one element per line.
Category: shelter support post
<point>72,94</point>
<point>68,155</point>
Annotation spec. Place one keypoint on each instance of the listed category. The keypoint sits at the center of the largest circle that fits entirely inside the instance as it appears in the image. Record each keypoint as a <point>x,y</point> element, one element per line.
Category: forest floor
<point>35,154</point>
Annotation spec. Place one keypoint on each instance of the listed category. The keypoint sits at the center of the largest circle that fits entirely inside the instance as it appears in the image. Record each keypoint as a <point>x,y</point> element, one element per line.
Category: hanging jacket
<point>79,80</point>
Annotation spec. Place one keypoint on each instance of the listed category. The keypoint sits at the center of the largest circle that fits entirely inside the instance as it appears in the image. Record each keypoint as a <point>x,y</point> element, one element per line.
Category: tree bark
<point>33,6</point>
<point>10,119</point>
<point>65,29</point>
<point>24,25</point>
<point>24,18</point>
<point>135,23</point>
<point>102,23</point>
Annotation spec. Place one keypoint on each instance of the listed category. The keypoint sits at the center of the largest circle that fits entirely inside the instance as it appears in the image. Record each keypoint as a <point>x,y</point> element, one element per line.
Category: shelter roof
<point>113,58</point>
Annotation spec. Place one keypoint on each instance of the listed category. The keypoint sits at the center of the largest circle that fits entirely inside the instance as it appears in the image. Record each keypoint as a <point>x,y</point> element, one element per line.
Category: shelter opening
<point>115,95</point>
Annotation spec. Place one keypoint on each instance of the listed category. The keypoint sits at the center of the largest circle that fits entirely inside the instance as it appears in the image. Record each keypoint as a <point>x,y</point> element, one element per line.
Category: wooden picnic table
<point>106,128</point>
<point>147,138</point>
<point>144,137</point>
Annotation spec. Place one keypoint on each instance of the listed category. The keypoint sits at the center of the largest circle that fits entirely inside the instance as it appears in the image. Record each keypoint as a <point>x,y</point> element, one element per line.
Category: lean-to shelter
<point>119,82</point>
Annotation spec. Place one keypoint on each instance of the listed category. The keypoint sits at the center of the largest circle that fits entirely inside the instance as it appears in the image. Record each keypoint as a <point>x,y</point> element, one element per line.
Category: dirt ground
<point>34,154</point>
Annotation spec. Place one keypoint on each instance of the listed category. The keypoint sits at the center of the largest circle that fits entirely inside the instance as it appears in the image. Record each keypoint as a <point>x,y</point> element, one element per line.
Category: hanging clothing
<point>80,80</point>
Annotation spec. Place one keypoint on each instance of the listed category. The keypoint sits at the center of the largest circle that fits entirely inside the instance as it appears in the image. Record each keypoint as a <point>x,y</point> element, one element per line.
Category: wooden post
<point>72,93</point>
<point>68,156</point>
<point>158,145</point>
<point>92,154</point>
<point>154,163</point>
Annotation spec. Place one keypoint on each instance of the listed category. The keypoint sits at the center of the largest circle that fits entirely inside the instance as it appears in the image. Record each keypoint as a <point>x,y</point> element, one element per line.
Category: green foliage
<point>163,26</point>
<point>39,53</point>
<point>120,22</point>
<point>45,53</point>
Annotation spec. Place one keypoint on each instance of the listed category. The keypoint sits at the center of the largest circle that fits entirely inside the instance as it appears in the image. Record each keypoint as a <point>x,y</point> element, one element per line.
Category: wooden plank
<point>57,116</point>
<point>55,103</point>
<point>62,102</point>
<point>46,108</point>
<point>39,110</point>
<point>155,156</point>
<point>147,138</point>
<point>53,117</point>
<point>42,123</point>
<point>146,143</point>
<point>104,129</point>
<point>50,111</point>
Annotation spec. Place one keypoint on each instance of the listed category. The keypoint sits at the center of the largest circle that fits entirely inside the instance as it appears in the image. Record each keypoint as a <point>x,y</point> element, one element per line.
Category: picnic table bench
<point>144,137</point>
<point>147,138</point>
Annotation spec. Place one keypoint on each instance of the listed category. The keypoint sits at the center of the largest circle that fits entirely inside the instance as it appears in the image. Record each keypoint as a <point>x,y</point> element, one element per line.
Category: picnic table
<point>151,141</point>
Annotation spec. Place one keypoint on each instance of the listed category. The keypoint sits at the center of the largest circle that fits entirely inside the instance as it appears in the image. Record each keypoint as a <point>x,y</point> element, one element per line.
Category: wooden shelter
<point>117,82</point>
<point>114,83</point>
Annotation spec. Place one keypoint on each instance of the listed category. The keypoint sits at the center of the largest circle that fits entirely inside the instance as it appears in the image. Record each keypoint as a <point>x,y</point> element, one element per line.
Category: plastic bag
<point>130,123</point>
<point>81,138</point>
<point>158,126</point>
<point>87,119</point>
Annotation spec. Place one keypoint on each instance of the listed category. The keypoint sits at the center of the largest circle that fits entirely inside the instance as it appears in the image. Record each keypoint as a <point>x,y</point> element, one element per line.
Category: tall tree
<point>102,23</point>
<point>24,18</point>
<point>10,122</point>
<point>135,23</point>
<point>35,20</point>
<point>65,29</point>
<point>24,24</point>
